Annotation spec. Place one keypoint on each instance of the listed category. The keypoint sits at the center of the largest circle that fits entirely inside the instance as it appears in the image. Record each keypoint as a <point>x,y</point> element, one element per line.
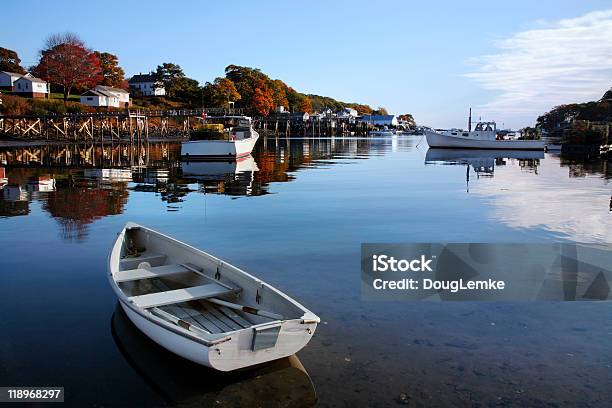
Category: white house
<point>347,113</point>
<point>31,86</point>
<point>95,97</point>
<point>7,79</point>
<point>122,95</point>
<point>380,120</point>
<point>147,85</point>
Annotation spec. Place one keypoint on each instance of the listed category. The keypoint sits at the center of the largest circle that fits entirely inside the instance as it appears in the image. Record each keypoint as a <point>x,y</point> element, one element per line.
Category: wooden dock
<point>129,125</point>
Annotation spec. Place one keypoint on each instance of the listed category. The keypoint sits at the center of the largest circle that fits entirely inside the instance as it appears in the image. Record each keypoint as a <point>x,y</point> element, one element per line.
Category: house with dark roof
<point>7,79</point>
<point>147,85</point>
<point>31,87</point>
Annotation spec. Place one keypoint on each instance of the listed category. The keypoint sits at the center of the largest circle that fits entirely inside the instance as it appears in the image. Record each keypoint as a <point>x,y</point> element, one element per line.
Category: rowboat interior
<point>195,291</point>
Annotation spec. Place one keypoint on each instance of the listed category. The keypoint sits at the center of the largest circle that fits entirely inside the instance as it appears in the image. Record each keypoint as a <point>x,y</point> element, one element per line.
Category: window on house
<point>90,98</point>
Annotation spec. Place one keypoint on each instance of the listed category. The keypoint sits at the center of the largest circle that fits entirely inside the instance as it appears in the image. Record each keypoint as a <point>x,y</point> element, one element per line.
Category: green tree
<point>169,75</point>
<point>9,61</point>
<point>112,73</point>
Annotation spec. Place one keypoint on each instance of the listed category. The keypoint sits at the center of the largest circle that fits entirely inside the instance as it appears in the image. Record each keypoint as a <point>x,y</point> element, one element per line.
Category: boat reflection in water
<point>178,381</point>
<point>483,162</point>
<point>237,174</point>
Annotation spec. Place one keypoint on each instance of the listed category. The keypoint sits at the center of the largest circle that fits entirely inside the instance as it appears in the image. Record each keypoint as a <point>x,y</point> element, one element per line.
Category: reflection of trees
<point>582,167</point>
<point>13,208</point>
<point>75,206</point>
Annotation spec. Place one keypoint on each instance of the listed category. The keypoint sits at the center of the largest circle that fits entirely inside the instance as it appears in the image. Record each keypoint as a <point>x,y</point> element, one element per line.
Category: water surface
<point>295,215</point>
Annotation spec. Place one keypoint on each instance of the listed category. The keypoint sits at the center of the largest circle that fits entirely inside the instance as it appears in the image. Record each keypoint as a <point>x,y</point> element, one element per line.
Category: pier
<point>128,125</point>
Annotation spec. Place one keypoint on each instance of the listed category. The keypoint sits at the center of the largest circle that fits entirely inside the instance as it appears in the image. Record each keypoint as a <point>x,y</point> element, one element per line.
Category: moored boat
<point>484,136</point>
<point>200,307</point>
<point>240,141</point>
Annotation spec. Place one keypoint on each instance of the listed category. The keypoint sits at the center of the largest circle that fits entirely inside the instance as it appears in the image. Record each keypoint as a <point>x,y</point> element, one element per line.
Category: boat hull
<point>437,140</point>
<point>225,351</point>
<point>218,149</point>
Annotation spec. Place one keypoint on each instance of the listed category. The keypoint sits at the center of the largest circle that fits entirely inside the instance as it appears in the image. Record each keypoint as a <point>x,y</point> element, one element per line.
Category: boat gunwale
<point>307,317</point>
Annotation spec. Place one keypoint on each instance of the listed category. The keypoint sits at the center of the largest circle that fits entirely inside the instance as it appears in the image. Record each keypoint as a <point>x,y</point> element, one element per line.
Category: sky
<point>508,61</point>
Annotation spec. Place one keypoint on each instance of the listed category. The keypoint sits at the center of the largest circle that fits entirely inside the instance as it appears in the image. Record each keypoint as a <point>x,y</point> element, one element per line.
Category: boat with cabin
<point>200,307</point>
<point>484,136</point>
<point>239,139</point>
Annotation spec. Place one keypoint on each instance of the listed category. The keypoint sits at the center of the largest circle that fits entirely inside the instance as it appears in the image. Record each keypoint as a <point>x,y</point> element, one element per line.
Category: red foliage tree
<point>70,65</point>
<point>263,99</point>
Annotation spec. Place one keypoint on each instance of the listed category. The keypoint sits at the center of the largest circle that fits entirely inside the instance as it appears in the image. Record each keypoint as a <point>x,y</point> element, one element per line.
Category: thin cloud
<point>535,70</point>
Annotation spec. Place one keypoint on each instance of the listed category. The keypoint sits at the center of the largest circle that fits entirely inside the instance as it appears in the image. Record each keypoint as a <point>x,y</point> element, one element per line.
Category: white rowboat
<point>200,307</point>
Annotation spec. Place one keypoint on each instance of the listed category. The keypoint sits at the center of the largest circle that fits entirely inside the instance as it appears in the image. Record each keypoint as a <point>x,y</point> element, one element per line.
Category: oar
<point>246,309</point>
<point>179,322</point>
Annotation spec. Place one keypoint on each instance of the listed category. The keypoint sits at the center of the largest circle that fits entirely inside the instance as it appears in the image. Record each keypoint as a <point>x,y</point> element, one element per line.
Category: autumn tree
<point>305,105</point>
<point>112,73</point>
<point>408,118</point>
<point>10,62</point>
<point>279,93</point>
<point>68,63</point>
<point>221,91</point>
<point>263,101</point>
<point>380,111</point>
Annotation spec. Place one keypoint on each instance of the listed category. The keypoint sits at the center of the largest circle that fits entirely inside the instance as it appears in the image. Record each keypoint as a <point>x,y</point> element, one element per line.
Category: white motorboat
<point>200,307</point>
<point>484,136</point>
<point>240,142</point>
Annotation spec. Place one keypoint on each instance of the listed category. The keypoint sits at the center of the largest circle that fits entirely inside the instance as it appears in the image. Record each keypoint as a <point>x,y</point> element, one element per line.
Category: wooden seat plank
<point>179,295</point>
<point>153,272</point>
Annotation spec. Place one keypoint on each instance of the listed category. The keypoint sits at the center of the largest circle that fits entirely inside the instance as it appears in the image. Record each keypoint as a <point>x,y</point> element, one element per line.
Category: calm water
<point>295,215</point>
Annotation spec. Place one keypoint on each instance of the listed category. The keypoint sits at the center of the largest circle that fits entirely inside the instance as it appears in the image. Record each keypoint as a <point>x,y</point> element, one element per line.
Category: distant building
<point>147,85</point>
<point>299,116</point>
<point>280,109</point>
<point>380,120</point>
<point>32,87</point>
<point>7,79</point>
<point>122,95</point>
<point>97,97</point>
<point>347,113</point>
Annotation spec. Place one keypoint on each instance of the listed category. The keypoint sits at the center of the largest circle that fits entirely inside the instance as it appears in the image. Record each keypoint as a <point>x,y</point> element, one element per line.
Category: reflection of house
<point>147,85</point>
<point>7,79</point>
<point>109,174</point>
<point>14,193</point>
<point>43,184</point>
<point>13,202</point>
<point>3,179</point>
<point>32,87</point>
<point>380,120</point>
<point>106,96</point>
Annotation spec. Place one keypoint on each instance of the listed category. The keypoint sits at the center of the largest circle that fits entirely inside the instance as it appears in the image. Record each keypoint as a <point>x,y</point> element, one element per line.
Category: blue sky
<point>509,61</point>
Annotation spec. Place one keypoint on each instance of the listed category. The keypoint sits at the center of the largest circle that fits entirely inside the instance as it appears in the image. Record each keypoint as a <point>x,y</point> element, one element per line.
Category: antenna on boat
<point>470,121</point>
